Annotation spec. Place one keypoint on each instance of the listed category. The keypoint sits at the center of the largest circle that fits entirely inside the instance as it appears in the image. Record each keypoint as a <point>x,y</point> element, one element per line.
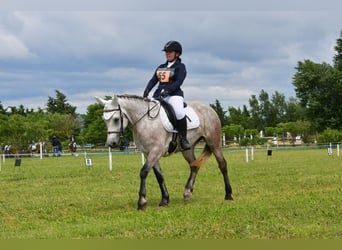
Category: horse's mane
<point>134,97</point>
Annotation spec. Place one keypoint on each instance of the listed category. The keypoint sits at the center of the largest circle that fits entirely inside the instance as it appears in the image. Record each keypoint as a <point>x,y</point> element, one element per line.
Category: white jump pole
<point>338,150</point>
<point>252,150</point>
<point>246,154</point>
<point>110,159</point>
<point>41,150</point>
<point>330,150</point>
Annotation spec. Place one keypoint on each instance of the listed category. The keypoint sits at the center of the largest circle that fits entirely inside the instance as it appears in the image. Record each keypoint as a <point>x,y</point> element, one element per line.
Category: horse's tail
<point>204,156</point>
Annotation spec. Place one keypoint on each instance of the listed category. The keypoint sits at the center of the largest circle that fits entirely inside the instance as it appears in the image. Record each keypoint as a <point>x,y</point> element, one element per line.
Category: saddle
<point>169,121</point>
<point>170,112</point>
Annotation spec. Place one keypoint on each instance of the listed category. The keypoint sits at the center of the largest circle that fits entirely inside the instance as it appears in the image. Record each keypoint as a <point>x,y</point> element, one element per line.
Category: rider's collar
<point>169,64</point>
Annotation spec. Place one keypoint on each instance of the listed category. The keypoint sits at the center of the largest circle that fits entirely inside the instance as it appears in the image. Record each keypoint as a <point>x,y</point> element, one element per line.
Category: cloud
<point>229,55</point>
<point>178,5</point>
<point>12,48</point>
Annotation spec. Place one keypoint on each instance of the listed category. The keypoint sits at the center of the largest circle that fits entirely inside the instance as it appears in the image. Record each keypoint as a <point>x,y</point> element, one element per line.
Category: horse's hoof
<point>142,207</point>
<point>187,195</point>
<point>164,202</point>
<point>142,203</point>
<point>229,197</point>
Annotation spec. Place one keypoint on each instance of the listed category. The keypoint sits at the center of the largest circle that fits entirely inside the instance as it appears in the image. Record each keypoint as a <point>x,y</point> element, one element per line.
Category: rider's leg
<point>177,102</point>
<point>182,132</point>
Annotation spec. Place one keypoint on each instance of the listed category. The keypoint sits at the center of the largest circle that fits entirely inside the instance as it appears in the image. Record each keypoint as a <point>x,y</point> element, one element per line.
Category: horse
<point>10,151</point>
<point>73,147</point>
<point>34,149</point>
<point>142,115</point>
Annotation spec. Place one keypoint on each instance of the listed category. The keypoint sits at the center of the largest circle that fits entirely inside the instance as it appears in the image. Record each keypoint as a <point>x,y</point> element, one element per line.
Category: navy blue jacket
<point>174,85</point>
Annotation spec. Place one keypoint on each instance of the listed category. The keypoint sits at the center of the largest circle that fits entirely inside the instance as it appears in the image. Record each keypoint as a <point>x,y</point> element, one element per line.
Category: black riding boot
<point>182,131</point>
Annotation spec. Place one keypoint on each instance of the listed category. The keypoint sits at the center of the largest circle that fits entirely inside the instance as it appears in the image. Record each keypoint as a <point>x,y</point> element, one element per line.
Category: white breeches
<point>177,102</point>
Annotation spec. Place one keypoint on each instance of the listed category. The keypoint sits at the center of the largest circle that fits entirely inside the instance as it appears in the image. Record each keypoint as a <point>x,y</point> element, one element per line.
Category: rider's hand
<point>145,95</point>
<point>165,93</point>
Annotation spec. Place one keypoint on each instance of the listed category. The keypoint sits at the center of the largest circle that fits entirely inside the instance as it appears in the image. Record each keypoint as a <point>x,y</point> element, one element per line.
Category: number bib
<point>165,74</point>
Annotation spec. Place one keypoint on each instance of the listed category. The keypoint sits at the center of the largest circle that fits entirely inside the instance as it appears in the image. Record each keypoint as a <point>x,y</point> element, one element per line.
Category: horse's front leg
<point>160,178</point>
<point>142,202</point>
<point>151,161</point>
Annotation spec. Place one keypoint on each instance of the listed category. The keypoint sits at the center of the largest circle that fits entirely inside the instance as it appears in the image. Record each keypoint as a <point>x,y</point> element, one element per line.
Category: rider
<point>170,76</point>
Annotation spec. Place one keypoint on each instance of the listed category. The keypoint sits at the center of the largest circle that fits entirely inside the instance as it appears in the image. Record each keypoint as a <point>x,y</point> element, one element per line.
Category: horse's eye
<point>116,120</point>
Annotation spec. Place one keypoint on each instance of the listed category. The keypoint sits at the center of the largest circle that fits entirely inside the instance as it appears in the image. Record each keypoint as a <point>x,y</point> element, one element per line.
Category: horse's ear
<point>100,100</point>
<point>115,101</point>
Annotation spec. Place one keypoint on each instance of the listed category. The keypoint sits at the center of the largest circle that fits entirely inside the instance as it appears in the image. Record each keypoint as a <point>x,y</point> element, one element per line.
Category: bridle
<point>121,130</point>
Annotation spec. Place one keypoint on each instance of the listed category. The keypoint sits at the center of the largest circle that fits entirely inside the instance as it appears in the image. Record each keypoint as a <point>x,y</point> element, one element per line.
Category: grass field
<point>295,194</point>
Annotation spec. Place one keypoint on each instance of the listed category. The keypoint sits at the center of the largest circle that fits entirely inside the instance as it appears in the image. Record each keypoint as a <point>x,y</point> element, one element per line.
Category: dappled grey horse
<point>143,117</point>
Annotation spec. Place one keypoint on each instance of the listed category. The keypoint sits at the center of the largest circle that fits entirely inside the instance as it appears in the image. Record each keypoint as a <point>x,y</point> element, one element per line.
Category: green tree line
<point>20,127</point>
<point>315,114</point>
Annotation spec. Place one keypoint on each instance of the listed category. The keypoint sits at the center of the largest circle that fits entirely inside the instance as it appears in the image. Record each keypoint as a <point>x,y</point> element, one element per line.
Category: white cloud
<point>229,55</point>
<point>12,48</point>
<point>179,5</point>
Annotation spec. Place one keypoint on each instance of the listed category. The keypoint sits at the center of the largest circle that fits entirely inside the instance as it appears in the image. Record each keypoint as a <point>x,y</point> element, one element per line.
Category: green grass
<point>291,195</point>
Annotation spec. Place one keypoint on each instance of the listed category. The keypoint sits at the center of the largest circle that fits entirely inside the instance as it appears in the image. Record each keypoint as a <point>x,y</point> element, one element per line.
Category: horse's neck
<point>136,109</point>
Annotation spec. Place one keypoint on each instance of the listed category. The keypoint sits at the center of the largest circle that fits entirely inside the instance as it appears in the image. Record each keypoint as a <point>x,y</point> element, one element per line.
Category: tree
<point>338,56</point>
<point>63,125</point>
<point>60,105</point>
<point>278,109</point>
<point>294,111</point>
<point>220,112</point>
<point>2,110</point>
<point>95,130</point>
<point>302,128</point>
<point>233,131</point>
<point>319,89</point>
<point>17,134</point>
<point>330,135</point>
<point>260,110</point>
<point>37,127</point>
<point>255,113</point>
<point>239,117</point>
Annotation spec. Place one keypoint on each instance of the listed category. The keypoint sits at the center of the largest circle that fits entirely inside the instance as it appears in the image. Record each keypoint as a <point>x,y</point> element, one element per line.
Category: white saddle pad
<point>192,119</point>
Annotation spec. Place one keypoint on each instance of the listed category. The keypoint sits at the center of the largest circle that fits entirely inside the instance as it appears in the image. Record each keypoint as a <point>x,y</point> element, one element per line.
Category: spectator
<point>56,147</point>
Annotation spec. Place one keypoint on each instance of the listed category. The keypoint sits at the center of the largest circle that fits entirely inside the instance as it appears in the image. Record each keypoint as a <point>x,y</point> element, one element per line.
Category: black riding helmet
<point>173,46</point>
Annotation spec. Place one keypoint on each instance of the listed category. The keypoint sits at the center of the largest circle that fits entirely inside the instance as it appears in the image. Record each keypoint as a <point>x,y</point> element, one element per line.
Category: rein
<point>147,113</point>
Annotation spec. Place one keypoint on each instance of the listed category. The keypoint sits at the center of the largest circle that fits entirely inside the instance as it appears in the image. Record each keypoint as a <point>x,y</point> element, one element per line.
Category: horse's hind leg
<point>190,158</point>
<point>160,178</point>
<point>222,164</point>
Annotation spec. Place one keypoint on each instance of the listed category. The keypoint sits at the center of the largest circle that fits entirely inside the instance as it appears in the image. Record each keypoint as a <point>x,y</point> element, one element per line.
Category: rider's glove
<point>165,93</point>
<point>145,95</point>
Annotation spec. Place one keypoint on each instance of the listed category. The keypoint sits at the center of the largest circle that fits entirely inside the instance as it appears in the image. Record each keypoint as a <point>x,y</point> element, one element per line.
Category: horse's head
<point>115,120</point>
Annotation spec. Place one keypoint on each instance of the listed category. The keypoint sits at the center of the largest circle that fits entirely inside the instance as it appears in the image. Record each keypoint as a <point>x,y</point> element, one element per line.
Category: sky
<point>231,50</point>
